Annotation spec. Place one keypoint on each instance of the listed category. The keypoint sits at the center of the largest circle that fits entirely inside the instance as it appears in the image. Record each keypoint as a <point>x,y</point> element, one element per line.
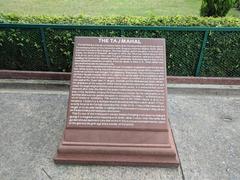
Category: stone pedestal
<point>117,111</point>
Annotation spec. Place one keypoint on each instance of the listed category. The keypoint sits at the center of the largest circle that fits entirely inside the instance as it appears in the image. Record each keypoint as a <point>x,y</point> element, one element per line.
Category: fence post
<point>201,55</point>
<point>44,45</point>
<point>122,32</point>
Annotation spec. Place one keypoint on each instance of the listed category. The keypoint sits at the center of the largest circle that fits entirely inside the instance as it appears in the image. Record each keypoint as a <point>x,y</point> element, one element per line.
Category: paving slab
<point>207,133</point>
<point>205,124</point>
<point>32,124</point>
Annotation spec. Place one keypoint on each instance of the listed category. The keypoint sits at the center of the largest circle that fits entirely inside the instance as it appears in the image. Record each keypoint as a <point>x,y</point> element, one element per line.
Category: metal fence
<point>191,51</point>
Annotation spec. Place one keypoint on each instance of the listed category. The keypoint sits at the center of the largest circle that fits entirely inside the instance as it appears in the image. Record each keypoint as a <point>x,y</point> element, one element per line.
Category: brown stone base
<point>155,148</point>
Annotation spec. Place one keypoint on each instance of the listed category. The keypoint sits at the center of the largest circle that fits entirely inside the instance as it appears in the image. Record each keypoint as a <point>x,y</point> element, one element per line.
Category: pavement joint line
<point>46,173</point>
<point>174,140</point>
<point>203,86</point>
<point>180,164</point>
<point>24,91</point>
<point>32,81</point>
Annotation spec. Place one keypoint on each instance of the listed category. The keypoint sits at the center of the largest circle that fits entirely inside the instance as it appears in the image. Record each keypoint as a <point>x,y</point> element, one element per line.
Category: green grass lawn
<point>104,7</point>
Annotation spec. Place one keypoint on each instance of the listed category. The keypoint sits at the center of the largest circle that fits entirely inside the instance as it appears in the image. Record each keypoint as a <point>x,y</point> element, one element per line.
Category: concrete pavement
<point>205,120</point>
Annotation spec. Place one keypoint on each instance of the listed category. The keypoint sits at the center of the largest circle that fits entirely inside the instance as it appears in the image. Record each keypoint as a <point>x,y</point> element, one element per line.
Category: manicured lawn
<point>103,7</point>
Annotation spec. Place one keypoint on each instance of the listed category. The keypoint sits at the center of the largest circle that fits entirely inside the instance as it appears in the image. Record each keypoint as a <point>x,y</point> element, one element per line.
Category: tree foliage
<point>237,4</point>
<point>216,8</point>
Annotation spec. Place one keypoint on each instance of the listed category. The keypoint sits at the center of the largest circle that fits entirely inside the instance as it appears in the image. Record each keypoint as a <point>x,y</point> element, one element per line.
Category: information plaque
<point>117,111</point>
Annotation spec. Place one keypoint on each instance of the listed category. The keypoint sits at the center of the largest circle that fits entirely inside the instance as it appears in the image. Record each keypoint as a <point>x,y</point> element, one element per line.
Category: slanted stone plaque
<point>117,111</point>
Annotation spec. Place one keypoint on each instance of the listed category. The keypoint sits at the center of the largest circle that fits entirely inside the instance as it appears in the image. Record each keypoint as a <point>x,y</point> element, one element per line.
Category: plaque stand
<point>85,146</point>
<point>117,109</point>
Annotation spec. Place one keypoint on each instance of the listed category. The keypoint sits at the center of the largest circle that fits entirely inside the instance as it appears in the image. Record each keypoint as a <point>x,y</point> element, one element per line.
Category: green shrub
<point>237,4</point>
<point>22,49</point>
<point>216,8</point>
<point>123,20</point>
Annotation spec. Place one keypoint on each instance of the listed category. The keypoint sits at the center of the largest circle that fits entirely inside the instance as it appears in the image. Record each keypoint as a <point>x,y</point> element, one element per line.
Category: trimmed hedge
<point>124,20</point>
<point>22,49</point>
